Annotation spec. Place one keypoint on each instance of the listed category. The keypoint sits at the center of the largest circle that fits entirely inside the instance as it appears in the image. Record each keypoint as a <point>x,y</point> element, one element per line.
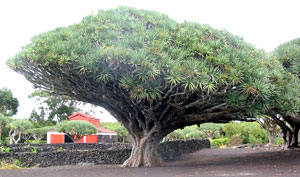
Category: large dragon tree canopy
<point>288,54</point>
<point>154,74</point>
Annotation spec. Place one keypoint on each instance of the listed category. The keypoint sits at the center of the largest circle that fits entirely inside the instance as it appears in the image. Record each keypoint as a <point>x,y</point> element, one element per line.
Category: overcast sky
<point>264,23</point>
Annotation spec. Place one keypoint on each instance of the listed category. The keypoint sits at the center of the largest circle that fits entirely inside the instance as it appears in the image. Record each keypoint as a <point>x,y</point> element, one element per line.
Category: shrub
<point>60,149</point>
<point>8,166</point>
<point>257,135</point>
<point>278,141</point>
<point>123,135</point>
<point>175,135</point>
<point>236,140</point>
<point>4,149</point>
<point>195,135</point>
<point>250,132</point>
<point>210,130</point>
<point>236,128</point>
<point>219,142</point>
<point>34,149</point>
<point>36,142</point>
<point>255,140</point>
<point>17,162</point>
<point>4,141</point>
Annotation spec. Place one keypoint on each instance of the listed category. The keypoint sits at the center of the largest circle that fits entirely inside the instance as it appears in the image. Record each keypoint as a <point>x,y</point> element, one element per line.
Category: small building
<point>102,135</point>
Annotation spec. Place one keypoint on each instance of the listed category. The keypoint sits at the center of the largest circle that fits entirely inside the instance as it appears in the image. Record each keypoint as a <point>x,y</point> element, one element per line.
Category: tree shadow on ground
<point>238,158</point>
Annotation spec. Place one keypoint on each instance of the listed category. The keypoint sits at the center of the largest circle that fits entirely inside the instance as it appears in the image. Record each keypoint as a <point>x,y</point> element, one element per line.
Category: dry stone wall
<point>45,155</point>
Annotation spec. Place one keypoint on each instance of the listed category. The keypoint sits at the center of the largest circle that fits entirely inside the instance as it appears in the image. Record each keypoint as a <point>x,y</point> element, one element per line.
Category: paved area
<point>204,163</point>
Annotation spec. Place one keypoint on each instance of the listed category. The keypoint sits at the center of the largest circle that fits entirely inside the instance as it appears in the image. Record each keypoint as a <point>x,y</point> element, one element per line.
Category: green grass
<point>10,166</point>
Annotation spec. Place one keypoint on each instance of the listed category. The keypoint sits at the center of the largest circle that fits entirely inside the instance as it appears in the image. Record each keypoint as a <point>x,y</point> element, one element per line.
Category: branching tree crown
<point>17,128</point>
<point>289,55</point>
<point>39,133</point>
<point>76,129</point>
<point>155,75</point>
<point>4,120</point>
<point>8,103</point>
<point>56,108</point>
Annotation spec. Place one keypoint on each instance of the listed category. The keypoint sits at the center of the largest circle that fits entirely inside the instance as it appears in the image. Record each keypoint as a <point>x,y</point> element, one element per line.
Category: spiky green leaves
<point>8,103</point>
<point>20,125</point>
<point>76,129</point>
<point>289,54</point>
<point>145,54</point>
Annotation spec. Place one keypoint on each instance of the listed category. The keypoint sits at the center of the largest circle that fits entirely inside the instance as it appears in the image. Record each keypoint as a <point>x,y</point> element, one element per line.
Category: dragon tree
<point>288,54</point>
<point>154,75</point>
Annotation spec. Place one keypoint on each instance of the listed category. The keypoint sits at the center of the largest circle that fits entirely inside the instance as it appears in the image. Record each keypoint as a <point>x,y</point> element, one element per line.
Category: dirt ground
<point>204,163</point>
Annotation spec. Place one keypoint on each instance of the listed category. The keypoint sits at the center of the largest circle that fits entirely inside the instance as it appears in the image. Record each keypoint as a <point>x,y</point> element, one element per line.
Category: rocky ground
<point>205,163</point>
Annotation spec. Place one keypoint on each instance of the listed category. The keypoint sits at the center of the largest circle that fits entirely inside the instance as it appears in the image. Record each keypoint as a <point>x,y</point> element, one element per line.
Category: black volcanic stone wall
<point>66,146</point>
<point>173,149</point>
<point>45,159</point>
<point>45,155</point>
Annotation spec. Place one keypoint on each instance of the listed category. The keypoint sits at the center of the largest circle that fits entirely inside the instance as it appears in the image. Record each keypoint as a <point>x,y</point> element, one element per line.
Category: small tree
<point>40,117</point>
<point>122,133</point>
<point>8,103</point>
<point>175,135</point>
<point>4,120</point>
<point>270,126</point>
<point>76,129</point>
<point>54,107</point>
<point>39,133</point>
<point>26,135</point>
<point>236,140</point>
<point>234,128</point>
<point>17,127</point>
<point>210,130</point>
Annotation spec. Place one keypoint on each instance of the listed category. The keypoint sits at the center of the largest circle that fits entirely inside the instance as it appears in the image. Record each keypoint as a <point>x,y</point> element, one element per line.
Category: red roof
<point>84,115</point>
<point>95,121</point>
<point>105,130</point>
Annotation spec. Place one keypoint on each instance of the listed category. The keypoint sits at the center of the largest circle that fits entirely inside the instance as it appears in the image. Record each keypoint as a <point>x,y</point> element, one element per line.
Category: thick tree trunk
<point>19,138</point>
<point>271,137</point>
<point>144,152</point>
<point>294,138</point>
<point>290,138</point>
<point>11,135</point>
<point>285,142</point>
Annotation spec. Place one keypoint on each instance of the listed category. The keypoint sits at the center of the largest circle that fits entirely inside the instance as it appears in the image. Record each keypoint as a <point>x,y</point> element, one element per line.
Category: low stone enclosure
<point>44,155</point>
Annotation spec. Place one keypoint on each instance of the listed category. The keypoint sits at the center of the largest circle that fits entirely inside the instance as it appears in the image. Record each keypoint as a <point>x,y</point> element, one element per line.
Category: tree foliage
<point>155,75</point>
<point>52,107</point>
<point>249,132</point>
<point>76,129</point>
<point>211,130</point>
<point>4,120</point>
<point>122,133</point>
<point>39,133</point>
<point>288,54</point>
<point>205,131</point>
<point>8,103</point>
<point>17,128</point>
<point>39,118</point>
